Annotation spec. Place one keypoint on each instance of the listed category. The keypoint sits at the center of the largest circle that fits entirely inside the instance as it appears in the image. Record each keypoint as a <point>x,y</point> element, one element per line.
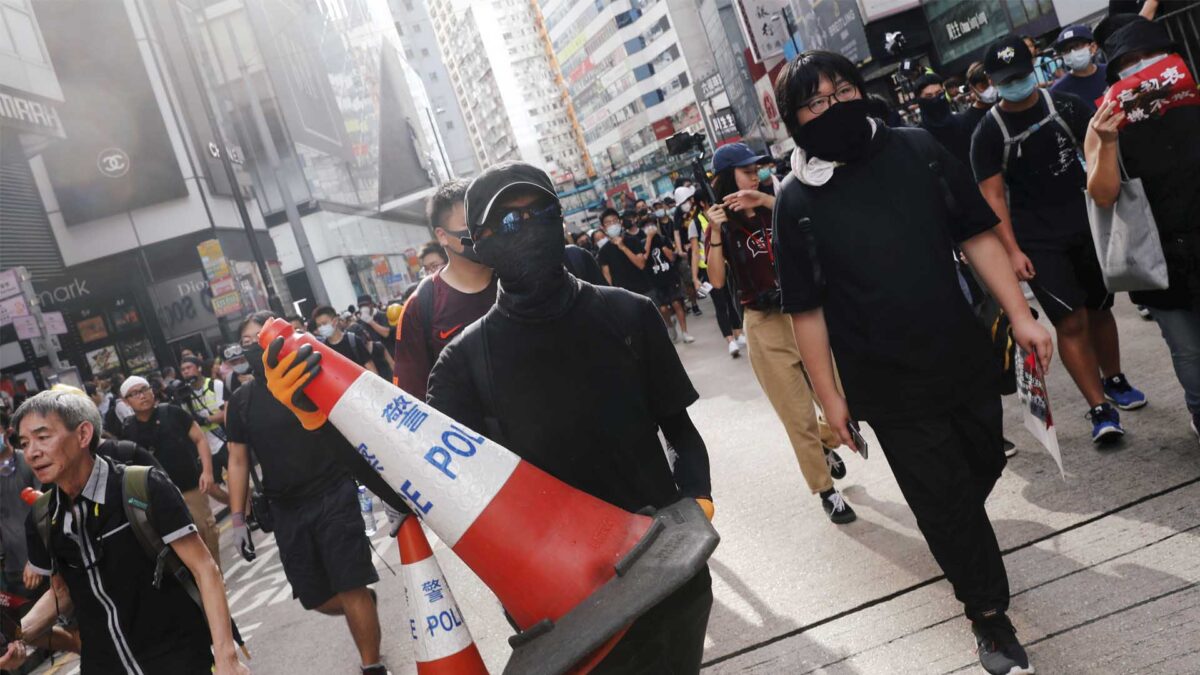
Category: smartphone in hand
<point>860,443</point>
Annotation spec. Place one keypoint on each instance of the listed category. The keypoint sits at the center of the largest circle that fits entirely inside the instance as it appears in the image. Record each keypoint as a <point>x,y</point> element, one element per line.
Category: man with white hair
<point>131,619</point>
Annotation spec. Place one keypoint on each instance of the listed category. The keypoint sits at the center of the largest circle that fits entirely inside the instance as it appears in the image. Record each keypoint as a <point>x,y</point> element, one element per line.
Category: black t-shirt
<point>662,273</point>
<point>352,347</point>
<point>1045,176</point>
<point>624,273</point>
<point>295,462</point>
<point>1165,153</point>
<point>954,134</point>
<point>165,435</point>
<point>122,617</point>
<point>971,118</point>
<point>591,420</point>
<point>873,247</point>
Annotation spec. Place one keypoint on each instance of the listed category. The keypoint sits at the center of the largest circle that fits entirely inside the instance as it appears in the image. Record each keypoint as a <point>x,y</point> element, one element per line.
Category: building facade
<point>507,85</point>
<point>151,188</point>
<point>422,52</point>
<point>627,67</point>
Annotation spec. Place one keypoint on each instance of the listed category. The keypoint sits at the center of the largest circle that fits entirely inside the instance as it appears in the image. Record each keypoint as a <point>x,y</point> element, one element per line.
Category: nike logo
<point>446,334</point>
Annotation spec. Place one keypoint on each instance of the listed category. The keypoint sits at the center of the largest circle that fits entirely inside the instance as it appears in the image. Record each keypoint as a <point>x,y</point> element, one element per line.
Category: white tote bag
<point>1126,237</point>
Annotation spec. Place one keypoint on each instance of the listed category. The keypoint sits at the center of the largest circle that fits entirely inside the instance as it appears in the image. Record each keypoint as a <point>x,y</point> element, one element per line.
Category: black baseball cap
<point>494,181</point>
<point>1006,58</point>
<point>1139,36</point>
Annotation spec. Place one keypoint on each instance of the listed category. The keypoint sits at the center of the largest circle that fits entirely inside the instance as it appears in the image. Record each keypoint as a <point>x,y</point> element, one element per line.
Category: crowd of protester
<point>870,246</point>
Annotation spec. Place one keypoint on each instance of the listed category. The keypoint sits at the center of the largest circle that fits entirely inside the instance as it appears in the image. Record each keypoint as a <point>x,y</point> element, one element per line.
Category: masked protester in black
<point>951,129</point>
<point>516,376</point>
<point>863,230</point>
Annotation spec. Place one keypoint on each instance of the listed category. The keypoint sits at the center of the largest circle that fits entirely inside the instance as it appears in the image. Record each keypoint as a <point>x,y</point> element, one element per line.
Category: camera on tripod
<point>684,142</point>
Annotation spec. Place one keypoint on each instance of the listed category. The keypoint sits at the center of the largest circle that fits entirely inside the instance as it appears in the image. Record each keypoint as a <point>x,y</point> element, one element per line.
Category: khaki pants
<point>197,503</point>
<point>780,372</point>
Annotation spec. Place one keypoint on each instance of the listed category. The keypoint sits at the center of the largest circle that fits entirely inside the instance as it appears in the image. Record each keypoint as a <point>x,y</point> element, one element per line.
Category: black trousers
<point>946,465</point>
<point>668,639</point>
<point>729,318</point>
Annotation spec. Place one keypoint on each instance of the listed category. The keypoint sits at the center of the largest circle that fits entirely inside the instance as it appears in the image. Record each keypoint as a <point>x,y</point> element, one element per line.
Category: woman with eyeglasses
<point>863,229</point>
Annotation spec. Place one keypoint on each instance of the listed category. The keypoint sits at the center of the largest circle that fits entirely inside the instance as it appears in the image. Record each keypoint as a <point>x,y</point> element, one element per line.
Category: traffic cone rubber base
<point>675,548</point>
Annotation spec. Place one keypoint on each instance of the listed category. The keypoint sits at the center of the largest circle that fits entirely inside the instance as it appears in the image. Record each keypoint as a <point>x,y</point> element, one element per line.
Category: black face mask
<point>254,356</point>
<point>468,251</point>
<point>840,134</point>
<point>935,111</point>
<point>529,263</point>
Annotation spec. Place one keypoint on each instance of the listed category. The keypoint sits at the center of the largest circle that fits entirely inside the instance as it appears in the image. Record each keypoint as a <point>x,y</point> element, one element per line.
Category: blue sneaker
<point>1118,390</point>
<point>1106,424</point>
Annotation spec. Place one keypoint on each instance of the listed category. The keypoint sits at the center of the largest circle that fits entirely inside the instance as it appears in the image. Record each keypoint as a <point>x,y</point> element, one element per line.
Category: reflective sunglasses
<point>510,220</point>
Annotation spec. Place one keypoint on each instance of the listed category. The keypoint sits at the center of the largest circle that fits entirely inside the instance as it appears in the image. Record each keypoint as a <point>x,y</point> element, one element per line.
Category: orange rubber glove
<point>287,377</point>
<point>706,505</point>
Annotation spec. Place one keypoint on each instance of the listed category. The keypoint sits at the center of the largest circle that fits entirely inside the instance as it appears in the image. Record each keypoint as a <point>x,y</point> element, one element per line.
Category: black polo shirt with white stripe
<point>126,625</point>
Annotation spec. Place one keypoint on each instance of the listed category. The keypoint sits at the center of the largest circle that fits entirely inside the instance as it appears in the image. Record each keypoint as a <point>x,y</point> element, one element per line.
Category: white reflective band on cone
<point>421,453</point>
<point>435,621</point>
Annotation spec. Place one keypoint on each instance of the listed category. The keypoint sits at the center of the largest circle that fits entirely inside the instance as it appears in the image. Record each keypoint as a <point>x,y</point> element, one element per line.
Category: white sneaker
<point>733,349</point>
<point>741,340</point>
<point>687,339</point>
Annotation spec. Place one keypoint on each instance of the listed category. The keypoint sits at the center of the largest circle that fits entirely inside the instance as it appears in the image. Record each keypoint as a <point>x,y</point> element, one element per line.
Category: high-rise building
<point>124,171</point>
<point>422,52</point>
<point>507,85</point>
<point>628,67</point>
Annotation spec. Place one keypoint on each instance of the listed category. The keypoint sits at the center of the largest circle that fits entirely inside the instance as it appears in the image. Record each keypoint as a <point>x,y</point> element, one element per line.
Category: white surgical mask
<point>613,231</point>
<point>659,213</point>
<point>1144,63</point>
<point>1078,59</point>
<point>686,206</point>
<point>241,368</point>
<point>989,95</point>
<point>325,331</point>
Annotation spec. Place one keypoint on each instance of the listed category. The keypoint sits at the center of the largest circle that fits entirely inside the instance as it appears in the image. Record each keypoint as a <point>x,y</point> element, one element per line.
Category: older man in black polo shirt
<point>98,567</point>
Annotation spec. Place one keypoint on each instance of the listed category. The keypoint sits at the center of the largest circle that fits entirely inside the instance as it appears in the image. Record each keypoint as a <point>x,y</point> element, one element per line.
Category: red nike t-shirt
<point>417,348</point>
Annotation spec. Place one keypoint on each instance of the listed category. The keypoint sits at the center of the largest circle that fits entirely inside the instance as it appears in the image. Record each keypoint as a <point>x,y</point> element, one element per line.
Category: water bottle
<point>368,513</point>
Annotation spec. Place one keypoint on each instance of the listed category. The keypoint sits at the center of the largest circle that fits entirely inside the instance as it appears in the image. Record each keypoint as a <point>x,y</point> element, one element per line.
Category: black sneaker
<point>1010,448</point>
<point>696,310</point>
<point>999,651</point>
<point>379,669</point>
<point>837,468</point>
<point>836,508</point>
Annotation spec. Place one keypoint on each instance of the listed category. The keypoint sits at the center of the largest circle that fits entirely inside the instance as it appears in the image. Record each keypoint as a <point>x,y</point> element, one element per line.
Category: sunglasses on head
<point>512,219</point>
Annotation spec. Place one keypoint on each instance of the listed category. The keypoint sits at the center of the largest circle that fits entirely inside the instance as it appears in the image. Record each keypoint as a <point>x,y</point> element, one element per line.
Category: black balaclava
<point>534,284</point>
<point>840,134</point>
<point>934,111</point>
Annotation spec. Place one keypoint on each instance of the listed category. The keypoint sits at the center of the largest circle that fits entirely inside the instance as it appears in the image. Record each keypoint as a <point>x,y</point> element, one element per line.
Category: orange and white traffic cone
<point>572,571</point>
<point>442,644</point>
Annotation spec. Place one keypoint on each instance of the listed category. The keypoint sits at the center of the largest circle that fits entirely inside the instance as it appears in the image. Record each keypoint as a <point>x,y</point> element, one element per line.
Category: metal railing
<point>1183,25</point>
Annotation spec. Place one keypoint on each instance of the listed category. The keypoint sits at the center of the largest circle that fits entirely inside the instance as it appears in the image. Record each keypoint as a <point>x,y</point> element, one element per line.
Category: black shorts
<point>220,462</point>
<point>665,296</point>
<point>1068,278</point>
<point>322,544</point>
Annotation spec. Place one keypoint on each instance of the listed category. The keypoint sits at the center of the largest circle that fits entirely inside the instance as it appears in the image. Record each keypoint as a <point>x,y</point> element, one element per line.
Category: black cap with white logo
<point>1006,58</point>
<point>487,187</point>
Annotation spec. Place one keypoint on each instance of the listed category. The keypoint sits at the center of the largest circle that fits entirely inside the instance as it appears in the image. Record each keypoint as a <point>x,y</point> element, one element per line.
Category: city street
<point>1104,566</point>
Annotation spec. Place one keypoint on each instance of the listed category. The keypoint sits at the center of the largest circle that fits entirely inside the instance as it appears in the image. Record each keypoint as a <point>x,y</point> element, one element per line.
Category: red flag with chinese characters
<point>1153,90</point>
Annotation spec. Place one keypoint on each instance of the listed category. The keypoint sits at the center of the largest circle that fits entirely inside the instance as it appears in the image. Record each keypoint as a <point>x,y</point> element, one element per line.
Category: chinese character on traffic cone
<point>442,645</point>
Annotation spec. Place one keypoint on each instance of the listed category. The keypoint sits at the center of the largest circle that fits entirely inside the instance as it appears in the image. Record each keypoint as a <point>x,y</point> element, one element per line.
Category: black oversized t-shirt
<point>1164,152</point>
<point>123,618</point>
<point>662,272</point>
<point>351,347</point>
<point>577,401</point>
<point>624,273</point>
<point>1045,176</point>
<point>873,248</point>
<point>295,462</point>
<point>165,435</point>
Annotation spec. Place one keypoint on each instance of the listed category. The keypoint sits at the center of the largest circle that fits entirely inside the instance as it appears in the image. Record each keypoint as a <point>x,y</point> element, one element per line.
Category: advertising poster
<point>139,356</point>
<point>91,329</point>
<point>103,360</point>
